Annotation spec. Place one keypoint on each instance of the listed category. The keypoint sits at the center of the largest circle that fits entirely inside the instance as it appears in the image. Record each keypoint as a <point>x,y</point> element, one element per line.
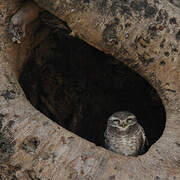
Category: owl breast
<point>128,145</point>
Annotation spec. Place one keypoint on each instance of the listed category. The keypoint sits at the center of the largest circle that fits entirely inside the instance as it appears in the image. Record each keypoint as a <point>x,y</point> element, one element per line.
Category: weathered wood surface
<point>143,34</point>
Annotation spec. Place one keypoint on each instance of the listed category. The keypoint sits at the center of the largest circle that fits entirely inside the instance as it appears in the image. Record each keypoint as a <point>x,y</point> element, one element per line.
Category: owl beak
<point>123,125</point>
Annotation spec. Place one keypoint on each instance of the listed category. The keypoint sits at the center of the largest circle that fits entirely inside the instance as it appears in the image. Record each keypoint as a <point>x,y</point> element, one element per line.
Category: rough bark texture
<point>145,35</point>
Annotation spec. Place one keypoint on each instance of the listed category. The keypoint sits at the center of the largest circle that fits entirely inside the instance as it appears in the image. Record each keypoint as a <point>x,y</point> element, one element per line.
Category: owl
<point>124,135</point>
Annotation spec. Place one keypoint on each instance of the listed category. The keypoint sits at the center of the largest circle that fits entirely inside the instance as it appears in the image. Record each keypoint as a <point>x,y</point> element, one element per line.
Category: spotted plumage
<point>124,135</point>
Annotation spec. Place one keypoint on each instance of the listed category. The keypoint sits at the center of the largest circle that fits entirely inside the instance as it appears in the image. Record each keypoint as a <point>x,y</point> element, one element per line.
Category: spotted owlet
<point>124,135</point>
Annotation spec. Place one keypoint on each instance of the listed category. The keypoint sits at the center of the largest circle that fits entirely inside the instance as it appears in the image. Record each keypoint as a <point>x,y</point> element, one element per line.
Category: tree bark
<point>145,35</point>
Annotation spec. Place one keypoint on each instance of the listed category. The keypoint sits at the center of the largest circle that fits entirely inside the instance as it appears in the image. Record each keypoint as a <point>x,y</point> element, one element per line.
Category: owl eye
<point>116,121</point>
<point>129,119</point>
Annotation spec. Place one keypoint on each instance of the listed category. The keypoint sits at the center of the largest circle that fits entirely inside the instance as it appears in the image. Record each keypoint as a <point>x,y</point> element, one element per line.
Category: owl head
<point>122,120</point>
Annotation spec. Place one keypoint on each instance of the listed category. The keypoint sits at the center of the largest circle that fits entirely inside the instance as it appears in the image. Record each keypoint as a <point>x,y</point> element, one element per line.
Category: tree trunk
<point>145,35</point>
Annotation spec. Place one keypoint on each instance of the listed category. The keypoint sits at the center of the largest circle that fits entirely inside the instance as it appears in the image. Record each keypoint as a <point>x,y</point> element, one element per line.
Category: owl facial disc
<point>122,121</point>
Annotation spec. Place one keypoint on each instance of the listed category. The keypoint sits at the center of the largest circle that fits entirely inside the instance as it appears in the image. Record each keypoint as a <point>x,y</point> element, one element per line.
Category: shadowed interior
<point>79,87</point>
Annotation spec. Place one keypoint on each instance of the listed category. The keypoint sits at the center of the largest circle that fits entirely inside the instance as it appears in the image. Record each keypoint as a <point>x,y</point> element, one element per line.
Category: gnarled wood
<point>145,36</point>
